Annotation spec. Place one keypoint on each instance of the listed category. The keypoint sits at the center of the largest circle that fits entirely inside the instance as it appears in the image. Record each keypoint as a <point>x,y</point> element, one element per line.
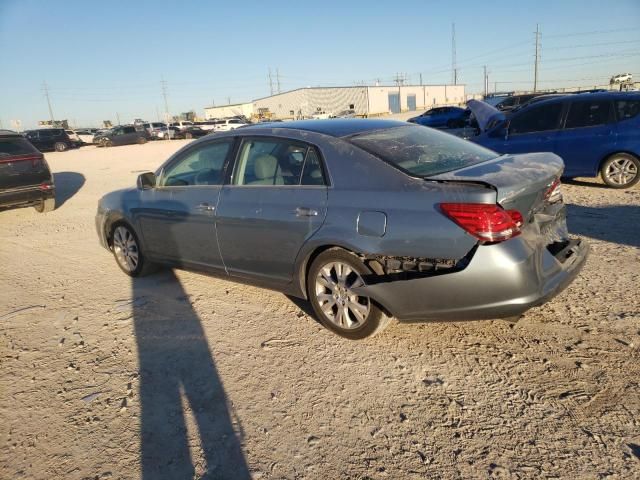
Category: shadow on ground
<point>177,372</point>
<point>614,223</point>
<point>585,182</point>
<point>67,185</point>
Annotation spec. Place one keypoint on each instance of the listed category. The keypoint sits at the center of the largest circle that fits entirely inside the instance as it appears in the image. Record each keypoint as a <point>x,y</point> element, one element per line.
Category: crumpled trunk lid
<point>521,181</point>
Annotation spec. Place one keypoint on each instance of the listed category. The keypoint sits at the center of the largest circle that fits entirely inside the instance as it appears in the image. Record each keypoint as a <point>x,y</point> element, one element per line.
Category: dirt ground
<point>180,376</point>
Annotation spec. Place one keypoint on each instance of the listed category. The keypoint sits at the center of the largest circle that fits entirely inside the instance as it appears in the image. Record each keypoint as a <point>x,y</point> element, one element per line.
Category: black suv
<point>513,101</point>
<point>47,139</point>
<point>25,178</point>
<point>122,135</point>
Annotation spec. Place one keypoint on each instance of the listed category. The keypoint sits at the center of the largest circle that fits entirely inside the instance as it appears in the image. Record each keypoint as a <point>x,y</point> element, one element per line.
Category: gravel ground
<point>183,376</point>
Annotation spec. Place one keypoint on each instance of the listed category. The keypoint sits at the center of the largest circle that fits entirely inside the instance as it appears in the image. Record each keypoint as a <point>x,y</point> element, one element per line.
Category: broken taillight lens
<point>554,192</point>
<point>486,222</point>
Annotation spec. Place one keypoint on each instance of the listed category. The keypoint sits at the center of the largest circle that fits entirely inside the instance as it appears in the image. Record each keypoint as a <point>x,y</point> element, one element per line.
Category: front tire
<point>127,252</point>
<point>106,143</point>
<point>620,170</point>
<point>60,146</point>
<point>142,140</point>
<point>332,277</point>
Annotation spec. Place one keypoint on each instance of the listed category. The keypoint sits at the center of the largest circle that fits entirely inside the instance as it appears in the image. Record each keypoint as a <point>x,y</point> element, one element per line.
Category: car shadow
<point>67,185</point>
<point>179,380</point>
<point>584,183</point>
<point>615,223</point>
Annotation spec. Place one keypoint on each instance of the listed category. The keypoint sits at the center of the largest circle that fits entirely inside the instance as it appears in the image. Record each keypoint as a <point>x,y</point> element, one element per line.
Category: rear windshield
<point>10,147</point>
<point>421,151</point>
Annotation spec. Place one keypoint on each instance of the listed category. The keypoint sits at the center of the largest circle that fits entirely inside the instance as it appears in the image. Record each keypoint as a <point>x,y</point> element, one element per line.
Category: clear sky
<point>101,59</point>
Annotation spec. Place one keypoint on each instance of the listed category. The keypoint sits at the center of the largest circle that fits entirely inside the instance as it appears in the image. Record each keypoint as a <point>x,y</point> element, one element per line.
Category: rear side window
<point>11,147</point>
<point>537,119</point>
<point>273,161</point>
<point>420,151</point>
<point>588,114</point>
<point>626,109</point>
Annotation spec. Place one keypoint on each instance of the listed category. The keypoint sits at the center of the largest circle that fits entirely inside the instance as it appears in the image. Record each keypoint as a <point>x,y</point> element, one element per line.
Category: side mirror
<point>146,181</point>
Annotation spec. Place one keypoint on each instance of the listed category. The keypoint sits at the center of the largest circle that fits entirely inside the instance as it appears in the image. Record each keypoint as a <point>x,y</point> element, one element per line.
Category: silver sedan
<point>366,219</point>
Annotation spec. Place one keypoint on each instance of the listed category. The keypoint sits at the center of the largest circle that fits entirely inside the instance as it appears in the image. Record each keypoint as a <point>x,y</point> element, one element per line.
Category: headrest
<point>265,166</point>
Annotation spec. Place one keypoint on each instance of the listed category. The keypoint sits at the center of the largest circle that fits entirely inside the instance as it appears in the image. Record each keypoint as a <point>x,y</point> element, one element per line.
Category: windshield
<point>421,151</point>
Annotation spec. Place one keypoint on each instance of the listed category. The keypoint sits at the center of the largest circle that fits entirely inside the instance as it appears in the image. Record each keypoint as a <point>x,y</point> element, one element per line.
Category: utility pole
<point>270,82</point>
<point>535,67</point>
<point>454,70</point>
<point>421,79</point>
<point>118,117</point>
<point>46,94</point>
<point>486,81</point>
<point>163,83</point>
<point>158,114</point>
<point>278,79</point>
<point>228,100</point>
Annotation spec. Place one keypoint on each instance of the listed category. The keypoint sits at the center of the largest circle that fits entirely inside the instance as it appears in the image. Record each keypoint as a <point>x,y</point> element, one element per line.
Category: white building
<point>224,111</point>
<point>365,100</point>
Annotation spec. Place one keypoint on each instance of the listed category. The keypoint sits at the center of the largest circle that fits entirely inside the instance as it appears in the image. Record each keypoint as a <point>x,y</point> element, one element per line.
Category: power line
<point>594,32</point>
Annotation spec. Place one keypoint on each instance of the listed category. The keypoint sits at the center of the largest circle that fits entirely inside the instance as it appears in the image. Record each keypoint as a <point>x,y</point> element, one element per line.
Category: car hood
<point>486,115</point>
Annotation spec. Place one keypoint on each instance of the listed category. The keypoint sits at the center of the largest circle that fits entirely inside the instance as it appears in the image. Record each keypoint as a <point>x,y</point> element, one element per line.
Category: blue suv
<point>596,133</point>
<point>450,117</point>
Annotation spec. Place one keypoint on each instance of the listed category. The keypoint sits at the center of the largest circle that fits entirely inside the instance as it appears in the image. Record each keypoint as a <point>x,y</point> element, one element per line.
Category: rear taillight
<point>486,222</point>
<point>46,186</point>
<point>554,192</point>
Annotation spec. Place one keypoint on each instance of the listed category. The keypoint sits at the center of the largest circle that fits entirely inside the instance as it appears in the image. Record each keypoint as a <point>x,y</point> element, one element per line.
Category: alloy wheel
<point>334,286</point>
<point>621,171</point>
<point>125,248</point>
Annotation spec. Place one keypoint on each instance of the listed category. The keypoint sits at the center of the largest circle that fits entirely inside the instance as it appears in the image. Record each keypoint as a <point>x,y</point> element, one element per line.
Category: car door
<point>588,134</point>
<point>33,137</point>
<point>177,217</point>
<point>275,201</point>
<point>533,129</point>
<point>129,135</point>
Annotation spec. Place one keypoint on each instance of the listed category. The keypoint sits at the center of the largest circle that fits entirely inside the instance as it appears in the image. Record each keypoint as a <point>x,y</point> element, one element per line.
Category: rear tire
<point>60,146</point>
<point>47,205</point>
<point>127,252</point>
<point>188,136</point>
<point>142,140</point>
<point>331,278</point>
<point>620,170</point>
<point>106,143</point>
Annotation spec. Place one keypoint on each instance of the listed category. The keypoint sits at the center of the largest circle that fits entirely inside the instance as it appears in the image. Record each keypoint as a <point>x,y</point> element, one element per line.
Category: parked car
<point>156,130</point>
<point>513,101</point>
<point>206,125</point>
<point>181,124</point>
<point>86,134</point>
<point>229,124</point>
<point>622,78</point>
<point>48,139</point>
<point>191,132</point>
<point>350,113</point>
<point>450,117</point>
<point>364,218</point>
<point>595,134</point>
<point>73,136</point>
<point>25,178</point>
<point>122,135</point>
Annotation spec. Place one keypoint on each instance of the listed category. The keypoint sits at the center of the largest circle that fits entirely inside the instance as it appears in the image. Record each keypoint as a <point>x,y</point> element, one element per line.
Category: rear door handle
<point>205,207</point>
<point>306,212</point>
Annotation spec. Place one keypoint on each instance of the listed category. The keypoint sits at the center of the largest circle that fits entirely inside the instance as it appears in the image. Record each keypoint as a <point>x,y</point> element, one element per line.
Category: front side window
<point>129,130</point>
<point>272,161</point>
<point>203,165</point>
<point>588,114</point>
<point>421,152</point>
<point>536,119</point>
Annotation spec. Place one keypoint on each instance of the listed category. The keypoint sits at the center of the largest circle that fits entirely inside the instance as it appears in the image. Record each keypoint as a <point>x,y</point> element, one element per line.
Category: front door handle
<point>205,207</point>
<point>306,212</point>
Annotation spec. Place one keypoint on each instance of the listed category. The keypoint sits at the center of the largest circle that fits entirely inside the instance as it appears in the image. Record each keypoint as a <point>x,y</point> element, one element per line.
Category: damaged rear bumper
<point>502,280</point>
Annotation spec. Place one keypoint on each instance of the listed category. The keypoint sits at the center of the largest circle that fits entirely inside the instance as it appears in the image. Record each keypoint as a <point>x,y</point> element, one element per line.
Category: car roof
<point>593,96</point>
<point>336,127</point>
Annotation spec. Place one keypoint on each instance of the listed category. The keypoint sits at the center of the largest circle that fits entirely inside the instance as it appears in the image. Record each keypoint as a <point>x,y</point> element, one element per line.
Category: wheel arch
<point>307,260</point>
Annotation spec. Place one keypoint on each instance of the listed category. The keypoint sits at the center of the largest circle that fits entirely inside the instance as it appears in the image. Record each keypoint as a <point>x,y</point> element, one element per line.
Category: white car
<point>622,78</point>
<point>228,124</point>
<point>320,116</point>
<point>207,125</point>
<point>181,125</point>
